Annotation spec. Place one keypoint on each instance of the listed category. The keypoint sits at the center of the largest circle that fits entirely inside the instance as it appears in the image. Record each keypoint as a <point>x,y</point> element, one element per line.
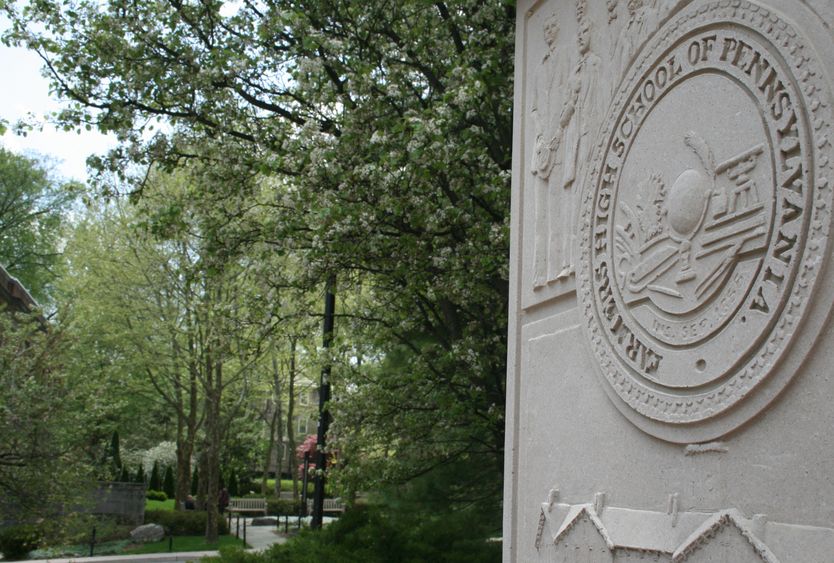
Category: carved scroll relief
<point>705,221</point>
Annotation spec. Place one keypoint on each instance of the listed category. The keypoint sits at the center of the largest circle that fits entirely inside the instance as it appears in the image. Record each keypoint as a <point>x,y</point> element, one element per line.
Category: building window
<point>302,425</point>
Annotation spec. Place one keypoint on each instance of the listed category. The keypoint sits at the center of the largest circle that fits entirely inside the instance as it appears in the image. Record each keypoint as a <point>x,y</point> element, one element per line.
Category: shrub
<point>183,522</point>
<point>156,495</point>
<point>17,541</point>
<point>380,535</point>
<point>280,507</point>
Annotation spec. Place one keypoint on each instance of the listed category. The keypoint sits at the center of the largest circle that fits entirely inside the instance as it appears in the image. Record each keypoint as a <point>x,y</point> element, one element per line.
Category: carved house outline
<point>697,543</point>
<point>730,519</point>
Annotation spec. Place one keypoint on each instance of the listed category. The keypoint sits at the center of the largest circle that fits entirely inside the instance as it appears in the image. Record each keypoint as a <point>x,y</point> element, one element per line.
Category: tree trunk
<point>213,438</point>
<point>290,415</point>
<point>190,424</point>
<point>279,439</point>
<point>186,437</point>
<point>273,423</point>
<point>279,452</point>
<point>183,483</point>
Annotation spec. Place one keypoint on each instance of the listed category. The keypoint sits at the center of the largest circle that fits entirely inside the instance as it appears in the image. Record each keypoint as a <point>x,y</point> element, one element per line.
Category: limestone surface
<point>671,282</point>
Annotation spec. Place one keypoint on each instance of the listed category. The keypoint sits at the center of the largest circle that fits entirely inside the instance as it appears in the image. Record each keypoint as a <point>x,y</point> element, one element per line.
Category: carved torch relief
<point>705,220</point>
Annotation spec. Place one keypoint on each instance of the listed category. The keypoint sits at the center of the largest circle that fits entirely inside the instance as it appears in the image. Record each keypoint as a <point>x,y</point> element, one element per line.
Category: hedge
<point>17,541</point>
<point>183,522</point>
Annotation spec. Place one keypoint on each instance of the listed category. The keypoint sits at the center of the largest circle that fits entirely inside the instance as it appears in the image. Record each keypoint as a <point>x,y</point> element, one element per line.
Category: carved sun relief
<point>705,221</point>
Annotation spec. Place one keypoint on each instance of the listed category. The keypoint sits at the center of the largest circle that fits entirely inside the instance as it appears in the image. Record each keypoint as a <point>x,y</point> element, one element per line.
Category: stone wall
<point>123,500</point>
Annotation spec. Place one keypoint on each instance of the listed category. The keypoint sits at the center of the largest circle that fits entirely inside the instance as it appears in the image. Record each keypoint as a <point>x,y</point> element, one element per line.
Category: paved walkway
<point>262,537</point>
<point>258,537</point>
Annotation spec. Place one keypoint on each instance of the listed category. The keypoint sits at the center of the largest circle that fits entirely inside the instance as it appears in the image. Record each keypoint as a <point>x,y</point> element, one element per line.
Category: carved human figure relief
<point>564,136</point>
<point>585,107</point>
<point>641,19</point>
<point>547,113</point>
<point>625,46</point>
<point>611,6</point>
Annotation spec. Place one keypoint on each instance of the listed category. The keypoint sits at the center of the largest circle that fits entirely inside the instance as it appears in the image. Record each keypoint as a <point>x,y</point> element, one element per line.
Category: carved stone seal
<point>706,219</point>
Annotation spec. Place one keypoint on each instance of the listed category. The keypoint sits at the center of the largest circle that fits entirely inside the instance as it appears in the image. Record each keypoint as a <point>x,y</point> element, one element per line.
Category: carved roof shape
<point>725,519</point>
<point>576,514</point>
<point>698,530</point>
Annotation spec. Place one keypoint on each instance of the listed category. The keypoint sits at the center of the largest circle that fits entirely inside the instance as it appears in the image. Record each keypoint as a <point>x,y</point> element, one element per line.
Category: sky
<point>28,92</point>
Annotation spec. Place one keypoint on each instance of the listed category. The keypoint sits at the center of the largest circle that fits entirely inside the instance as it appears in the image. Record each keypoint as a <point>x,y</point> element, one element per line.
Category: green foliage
<point>182,522</point>
<point>152,494</point>
<point>17,541</point>
<point>76,528</point>
<point>371,141</point>
<point>44,420</point>
<point>377,535</point>
<point>32,206</point>
<point>124,475</point>
<point>72,551</point>
<point>168,484</point>
<point>155,481</point>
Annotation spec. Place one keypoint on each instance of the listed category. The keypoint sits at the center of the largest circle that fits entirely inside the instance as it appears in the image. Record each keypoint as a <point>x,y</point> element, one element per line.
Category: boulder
<point>147,533</point>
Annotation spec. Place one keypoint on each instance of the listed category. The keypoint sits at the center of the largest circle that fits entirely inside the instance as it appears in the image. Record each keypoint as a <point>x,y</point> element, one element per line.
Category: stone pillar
<point>670,374</point>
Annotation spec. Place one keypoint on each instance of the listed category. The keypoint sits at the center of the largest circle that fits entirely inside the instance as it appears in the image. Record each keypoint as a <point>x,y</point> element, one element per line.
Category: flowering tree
<point>384,130</point>
<point>308,446</point>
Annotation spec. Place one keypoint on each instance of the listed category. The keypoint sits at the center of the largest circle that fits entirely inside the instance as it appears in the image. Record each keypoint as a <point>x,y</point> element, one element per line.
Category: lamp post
<point>324,397</point>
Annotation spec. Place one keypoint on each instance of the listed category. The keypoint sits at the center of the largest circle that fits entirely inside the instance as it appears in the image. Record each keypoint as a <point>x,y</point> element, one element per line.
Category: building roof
<point>13,294</point>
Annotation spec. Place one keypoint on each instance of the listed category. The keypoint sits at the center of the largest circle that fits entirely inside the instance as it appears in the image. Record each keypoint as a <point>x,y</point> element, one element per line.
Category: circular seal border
<point>692,418</point>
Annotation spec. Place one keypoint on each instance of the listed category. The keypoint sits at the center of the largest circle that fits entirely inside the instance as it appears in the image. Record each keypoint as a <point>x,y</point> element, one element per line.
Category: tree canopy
<point>367,140</point>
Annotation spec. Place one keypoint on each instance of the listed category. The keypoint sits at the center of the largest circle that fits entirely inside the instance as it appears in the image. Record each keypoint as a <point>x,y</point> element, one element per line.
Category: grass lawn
<point>184,543</point>
<point>286,485</point>
<point>159,504</point>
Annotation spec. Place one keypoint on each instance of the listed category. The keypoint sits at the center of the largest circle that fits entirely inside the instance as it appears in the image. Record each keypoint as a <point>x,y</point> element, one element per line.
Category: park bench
<point>242,505</point>
<point>331,506</point>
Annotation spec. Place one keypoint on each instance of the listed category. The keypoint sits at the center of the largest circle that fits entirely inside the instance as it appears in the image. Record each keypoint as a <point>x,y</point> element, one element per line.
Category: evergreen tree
<point>124,476</point>
<point>140,474</point>
<point>168,484</point>
<point>155,483</point>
